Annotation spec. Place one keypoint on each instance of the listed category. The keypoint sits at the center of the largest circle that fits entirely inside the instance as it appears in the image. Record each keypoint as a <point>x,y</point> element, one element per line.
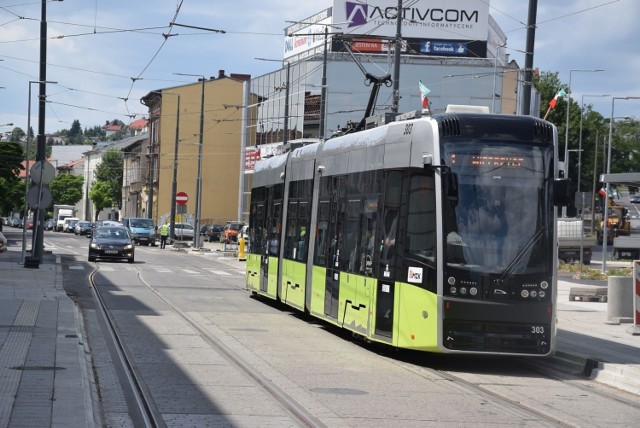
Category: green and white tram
<point>430,233</point>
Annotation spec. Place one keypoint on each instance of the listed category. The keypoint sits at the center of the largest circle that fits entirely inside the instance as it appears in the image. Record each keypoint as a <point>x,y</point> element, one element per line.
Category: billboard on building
<point>423,19</point>
<point>306,35</point>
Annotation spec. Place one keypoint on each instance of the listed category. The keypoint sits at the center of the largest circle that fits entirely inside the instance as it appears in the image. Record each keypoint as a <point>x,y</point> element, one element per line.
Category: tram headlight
<point>473,291</point>
<point>451,280</point>
<point>524,293</point>
<point>544,285</point>
<point>453,290</point>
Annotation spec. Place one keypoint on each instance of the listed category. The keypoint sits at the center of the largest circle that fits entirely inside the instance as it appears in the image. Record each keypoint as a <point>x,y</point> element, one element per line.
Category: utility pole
<point>396,65</point>
<point>528,57</point>
<point>38,219</point>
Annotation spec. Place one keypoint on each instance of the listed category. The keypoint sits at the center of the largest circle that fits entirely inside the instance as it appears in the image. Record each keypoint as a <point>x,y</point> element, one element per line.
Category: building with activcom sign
<point>454,47</point>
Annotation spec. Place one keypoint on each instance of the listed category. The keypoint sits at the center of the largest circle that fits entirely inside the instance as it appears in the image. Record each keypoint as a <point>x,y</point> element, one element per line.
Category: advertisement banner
<point>423,19</point>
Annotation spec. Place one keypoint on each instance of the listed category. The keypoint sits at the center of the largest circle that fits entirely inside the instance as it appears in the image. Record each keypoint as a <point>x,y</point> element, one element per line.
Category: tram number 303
<point>536,329</point>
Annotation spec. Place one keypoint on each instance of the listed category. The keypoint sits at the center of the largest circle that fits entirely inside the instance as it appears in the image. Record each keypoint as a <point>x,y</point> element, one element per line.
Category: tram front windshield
<point>500,221</point>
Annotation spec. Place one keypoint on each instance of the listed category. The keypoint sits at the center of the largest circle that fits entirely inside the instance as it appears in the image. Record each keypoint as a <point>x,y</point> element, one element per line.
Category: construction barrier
<point>619,305</point>
<point>635,329</point>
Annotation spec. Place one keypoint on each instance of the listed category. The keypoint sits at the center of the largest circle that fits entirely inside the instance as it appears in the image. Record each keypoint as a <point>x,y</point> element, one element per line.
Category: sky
<point>107,54</point>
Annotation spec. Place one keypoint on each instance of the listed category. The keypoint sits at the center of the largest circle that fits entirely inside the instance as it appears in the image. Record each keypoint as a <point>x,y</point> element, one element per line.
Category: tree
<point>110,171</point>
<point>12,195</point>
<point>11,157</point>
<point>76,136</point>
<point>66,189</point>
<point>17,135</point>
<point>100,196</point>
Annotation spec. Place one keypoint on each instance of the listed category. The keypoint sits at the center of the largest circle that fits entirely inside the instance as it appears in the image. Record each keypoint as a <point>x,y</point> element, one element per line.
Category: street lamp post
<point>26,174</point>
<point>580,138</point>
<point>566,137</point>
<point>196,234</point>
<point>608,188</point>
<point>495,73</point>
<point>323,89</point>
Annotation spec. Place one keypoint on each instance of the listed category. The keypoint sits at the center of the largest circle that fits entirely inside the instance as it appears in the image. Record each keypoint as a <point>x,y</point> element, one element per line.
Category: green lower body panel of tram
<point>293,283</point>
<point>257,281</point>
<point>404,315</point>
<point>414,311</point>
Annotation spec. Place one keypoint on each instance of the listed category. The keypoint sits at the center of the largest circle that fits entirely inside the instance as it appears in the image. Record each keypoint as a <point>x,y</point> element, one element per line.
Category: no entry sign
<point>181,198</point>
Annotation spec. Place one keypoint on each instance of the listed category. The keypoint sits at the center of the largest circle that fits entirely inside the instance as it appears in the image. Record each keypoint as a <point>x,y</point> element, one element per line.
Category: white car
<point>184,231</point>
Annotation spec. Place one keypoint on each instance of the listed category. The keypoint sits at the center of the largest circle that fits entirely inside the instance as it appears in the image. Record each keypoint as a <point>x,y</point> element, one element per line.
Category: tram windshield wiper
<point>520,256</point>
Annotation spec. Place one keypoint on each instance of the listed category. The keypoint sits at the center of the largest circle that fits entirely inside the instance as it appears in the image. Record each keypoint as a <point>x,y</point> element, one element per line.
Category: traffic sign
<point>181,198</point>
<point>37,199</point>
<point>42,171</point>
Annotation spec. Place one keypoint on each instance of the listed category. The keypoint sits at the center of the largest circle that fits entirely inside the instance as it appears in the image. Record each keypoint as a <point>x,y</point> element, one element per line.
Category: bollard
<point>241,256</point>
<point>620,299</point>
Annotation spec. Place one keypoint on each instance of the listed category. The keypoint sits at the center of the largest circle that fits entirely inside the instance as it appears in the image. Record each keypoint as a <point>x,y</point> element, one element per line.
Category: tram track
<point>143,409</point>
<point>144,404</point>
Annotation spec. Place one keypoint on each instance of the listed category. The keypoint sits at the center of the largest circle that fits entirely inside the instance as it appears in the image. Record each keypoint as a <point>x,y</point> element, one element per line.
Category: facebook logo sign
<point>443,48</point>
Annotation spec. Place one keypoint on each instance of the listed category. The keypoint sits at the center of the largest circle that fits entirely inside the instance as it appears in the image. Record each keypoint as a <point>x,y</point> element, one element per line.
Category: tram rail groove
<point>152,416</point>
<point>288,403</point>
<point>146,412</point>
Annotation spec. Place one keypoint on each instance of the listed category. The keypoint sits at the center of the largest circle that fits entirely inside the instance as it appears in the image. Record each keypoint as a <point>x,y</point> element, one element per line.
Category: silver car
<point>184,231</point>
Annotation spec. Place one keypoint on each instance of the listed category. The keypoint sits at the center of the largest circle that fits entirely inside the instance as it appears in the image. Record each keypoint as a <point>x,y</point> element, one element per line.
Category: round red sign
<point>181,198</point>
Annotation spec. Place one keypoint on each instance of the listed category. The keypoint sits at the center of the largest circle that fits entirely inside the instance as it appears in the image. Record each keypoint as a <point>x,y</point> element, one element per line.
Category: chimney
<point>221,74</point>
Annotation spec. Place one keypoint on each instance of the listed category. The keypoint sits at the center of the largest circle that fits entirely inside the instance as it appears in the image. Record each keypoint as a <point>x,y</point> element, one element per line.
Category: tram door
<point>334,243</point>
<point>260,232</point>
<point>388,231</point>
<point>272,246</point>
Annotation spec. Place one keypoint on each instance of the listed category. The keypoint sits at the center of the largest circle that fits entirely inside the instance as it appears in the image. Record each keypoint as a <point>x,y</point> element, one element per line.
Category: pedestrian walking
<point>164,232</point>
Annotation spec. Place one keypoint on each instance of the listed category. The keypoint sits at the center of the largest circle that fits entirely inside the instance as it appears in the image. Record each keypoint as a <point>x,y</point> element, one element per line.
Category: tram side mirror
<point>561,196</point>
<point>450,186</point>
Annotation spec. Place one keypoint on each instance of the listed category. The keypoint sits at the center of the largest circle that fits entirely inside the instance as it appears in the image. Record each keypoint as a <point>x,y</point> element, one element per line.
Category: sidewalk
<point>609,353</point>
<point>44,374</point>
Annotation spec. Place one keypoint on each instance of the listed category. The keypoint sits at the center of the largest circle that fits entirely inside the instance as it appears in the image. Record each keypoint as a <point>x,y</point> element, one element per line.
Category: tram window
<point>320,251</point>
<point>393,187</point>
<point>368,235</point>
<point>421,219</point>
<point>275,227</point>
<point>303,235</point>
<point>352,229</point>
<point>291,235</point>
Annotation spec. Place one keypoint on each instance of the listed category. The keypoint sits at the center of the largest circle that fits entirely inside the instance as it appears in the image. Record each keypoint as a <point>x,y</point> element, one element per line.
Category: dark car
<point>215,230</point>
<point>635,199</point>
<point>111,242</point>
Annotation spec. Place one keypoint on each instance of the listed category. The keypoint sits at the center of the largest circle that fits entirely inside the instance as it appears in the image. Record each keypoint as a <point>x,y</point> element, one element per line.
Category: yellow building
<point>221,152</point>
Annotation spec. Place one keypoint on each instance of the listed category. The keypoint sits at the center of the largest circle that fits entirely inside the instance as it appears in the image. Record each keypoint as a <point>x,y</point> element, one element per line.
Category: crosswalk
<point>111,267</point>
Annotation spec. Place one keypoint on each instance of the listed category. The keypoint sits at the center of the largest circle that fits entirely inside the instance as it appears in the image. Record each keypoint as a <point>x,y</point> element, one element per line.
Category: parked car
<point>49,224</point>
<point>69,224</point>
<point>214,232</point>
<point>83,227</point>
<point>635,199</point>
<point>29,224</point>
<point>184,231</point>
<point>111,242</point>
<point>230,232</point>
